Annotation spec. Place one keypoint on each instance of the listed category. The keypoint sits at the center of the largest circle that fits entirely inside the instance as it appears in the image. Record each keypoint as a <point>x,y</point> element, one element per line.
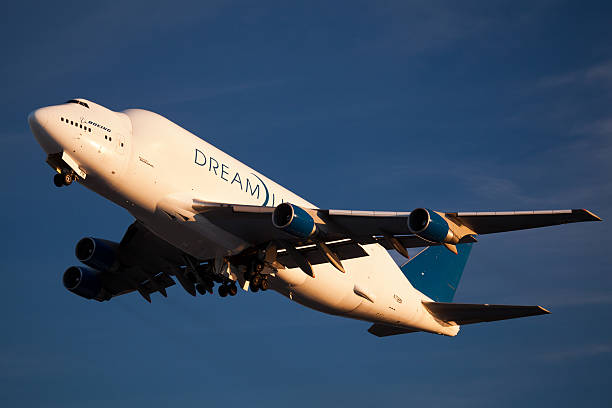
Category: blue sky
<point>364,105</point>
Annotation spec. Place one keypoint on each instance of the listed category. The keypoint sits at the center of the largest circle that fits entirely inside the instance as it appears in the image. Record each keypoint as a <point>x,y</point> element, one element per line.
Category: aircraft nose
<point>39,124</point>
<point>38,118</point>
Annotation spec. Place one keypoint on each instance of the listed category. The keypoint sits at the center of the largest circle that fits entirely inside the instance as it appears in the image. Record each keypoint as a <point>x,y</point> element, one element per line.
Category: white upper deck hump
<point>97,112</point>
<point>223,178</point>
<point>155,120</point>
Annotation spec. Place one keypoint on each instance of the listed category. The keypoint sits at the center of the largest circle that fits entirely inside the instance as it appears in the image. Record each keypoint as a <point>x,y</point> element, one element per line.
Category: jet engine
<point>294,220</point>
<point>83,281</point>
<point>431,226</point>
<point>97,253</point>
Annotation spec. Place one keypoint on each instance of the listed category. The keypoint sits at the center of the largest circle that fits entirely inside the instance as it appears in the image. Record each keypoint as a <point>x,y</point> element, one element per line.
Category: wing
<point>390,229</point>
<point>144,263</point>
<point>314,231</point>
<point>254,224</point>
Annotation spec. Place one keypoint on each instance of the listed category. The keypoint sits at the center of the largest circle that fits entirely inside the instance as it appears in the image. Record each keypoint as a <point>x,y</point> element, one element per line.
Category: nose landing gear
<point>65,178</point>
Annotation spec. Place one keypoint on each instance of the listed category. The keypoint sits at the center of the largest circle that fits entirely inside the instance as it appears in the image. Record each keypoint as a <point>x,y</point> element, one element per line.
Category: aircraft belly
<point>329,291</point>
<point>291,277</point>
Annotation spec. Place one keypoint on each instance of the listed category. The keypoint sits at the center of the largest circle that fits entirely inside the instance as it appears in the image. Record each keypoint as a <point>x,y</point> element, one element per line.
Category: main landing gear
<point>225,288</point>
<point>206,286</point>
<point>257,281</point>
<point>65,178</point>
<point>228,289</point>
<point>204,279</point>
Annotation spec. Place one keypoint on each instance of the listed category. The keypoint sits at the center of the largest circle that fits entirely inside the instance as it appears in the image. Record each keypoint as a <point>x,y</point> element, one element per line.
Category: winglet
<point>544,310</point>
<point>593,216</point>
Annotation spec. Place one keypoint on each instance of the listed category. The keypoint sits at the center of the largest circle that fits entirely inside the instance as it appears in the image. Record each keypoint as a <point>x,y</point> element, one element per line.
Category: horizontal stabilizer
<point>464,313</point>
<point>383,330</point>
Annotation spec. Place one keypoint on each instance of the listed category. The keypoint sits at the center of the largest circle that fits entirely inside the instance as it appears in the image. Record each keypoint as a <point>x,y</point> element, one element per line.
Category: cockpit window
<point>79,102</point>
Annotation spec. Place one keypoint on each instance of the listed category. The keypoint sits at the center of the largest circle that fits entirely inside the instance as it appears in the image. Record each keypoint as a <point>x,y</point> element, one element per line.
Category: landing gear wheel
<point>232,289</point>
<point>68,179</point>
<point>58,180</point>
<point>209,286</point>
<point>256,280</point>
<point>254,288</point>
<point>201,289</point>
<point>258,267</point>
<point>223,291</point>
<point>265,284</point>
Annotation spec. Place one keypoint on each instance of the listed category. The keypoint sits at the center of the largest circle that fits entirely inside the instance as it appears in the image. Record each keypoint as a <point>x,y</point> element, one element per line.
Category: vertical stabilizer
<point>436,271</point>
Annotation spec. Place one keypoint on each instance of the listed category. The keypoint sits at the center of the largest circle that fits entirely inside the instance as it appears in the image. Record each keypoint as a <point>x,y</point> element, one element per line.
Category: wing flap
<point>130,280</point>
<point>157,282</point>
<point>466,313</point>
<point>347,249</point>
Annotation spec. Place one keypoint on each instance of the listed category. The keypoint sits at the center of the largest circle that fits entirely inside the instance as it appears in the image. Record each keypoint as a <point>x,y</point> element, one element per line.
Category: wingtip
<point>544,310</point>
<point>596,217</point>
<point>593,216</point>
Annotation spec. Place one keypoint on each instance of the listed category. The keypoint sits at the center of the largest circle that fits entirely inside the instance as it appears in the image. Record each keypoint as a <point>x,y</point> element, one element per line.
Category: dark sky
<point>362,105</point>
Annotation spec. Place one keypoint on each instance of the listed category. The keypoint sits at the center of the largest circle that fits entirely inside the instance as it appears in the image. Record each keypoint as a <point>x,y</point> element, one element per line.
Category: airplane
<point>204,218</point>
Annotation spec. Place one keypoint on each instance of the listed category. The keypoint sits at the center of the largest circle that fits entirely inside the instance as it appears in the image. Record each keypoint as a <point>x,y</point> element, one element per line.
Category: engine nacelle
<point>431,226</point>
<point>294,220</point>
<point>83,281</point>
<point>97,253</point>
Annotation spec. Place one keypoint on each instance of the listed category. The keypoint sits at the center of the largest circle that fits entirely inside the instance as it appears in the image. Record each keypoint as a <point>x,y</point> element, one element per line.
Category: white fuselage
<point>154,169</point>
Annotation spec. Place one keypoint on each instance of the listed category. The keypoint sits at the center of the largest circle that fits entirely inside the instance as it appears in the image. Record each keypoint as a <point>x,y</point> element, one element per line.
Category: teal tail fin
<point>436,271</point>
